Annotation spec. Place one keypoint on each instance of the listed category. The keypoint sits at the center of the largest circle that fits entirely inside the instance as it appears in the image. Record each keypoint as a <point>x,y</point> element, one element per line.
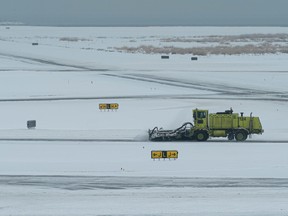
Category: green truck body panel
<point>222,123</point>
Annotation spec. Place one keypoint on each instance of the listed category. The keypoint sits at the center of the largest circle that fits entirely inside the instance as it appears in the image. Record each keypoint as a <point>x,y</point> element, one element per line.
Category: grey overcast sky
<point>146,12</point>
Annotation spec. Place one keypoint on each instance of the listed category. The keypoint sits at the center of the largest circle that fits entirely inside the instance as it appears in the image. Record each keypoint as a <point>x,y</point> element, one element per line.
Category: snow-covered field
<point>83,161</point>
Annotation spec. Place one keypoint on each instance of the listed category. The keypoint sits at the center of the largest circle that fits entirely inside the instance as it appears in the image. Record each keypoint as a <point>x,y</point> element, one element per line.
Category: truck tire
<point>241,135</point>
<point>201,135</point>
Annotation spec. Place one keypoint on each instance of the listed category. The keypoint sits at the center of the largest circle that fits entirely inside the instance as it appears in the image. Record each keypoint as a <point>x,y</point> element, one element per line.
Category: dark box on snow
<point>31,124</point>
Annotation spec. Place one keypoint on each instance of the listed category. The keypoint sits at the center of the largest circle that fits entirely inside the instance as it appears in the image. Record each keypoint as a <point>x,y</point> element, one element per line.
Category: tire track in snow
<point>119,182</point>
<point>50,62</point>
<point>19,139</point>
<point>283,98</point>
<point>66,140</point>
<point>218,88</point>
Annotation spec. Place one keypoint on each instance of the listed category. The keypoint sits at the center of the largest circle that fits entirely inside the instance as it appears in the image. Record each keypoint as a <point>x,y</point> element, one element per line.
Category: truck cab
<point>200,118</point>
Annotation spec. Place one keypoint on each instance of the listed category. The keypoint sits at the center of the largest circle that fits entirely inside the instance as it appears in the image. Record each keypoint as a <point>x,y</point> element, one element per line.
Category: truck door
<point>200,118</point>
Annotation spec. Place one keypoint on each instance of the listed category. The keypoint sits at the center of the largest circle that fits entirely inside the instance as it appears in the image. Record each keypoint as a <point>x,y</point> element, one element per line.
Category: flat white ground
<point>101,155</point>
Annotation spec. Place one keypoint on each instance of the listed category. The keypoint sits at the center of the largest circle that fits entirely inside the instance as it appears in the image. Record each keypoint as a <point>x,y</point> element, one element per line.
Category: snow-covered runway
<point>83,161</point>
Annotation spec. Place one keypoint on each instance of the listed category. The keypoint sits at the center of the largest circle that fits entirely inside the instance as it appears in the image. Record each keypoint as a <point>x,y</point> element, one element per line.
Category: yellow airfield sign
<point>156,154</point>
<point>164,154</point>
<point>112,106</point>
<point>172,154</point>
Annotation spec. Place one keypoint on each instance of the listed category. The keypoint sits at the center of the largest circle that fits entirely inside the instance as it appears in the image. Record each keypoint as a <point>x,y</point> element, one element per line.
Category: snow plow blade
<point>181,133</point>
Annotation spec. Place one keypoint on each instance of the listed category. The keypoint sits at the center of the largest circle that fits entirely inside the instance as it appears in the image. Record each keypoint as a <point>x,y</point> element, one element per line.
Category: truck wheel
<point>241,135</point>
<point>201,136</point>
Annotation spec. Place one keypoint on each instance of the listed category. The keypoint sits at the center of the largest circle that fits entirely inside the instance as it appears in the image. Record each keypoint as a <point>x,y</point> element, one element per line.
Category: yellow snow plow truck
<point>220,124</point>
